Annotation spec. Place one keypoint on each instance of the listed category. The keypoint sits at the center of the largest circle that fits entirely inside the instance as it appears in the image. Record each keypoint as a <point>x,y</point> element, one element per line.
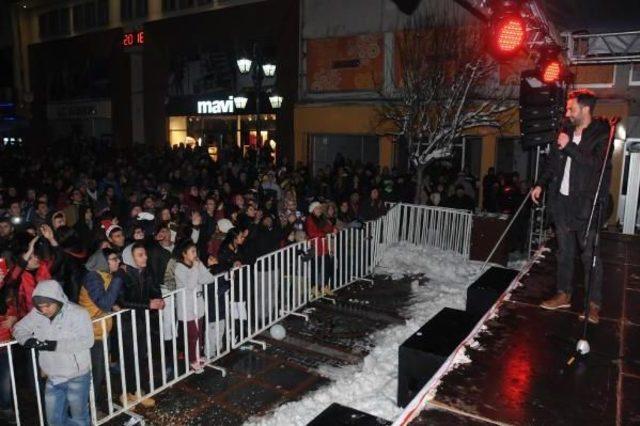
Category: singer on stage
<point>571,178</point>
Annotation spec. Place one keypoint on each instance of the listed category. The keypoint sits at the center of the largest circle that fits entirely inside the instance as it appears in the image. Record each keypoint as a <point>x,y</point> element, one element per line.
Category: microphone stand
<point>582,346</point>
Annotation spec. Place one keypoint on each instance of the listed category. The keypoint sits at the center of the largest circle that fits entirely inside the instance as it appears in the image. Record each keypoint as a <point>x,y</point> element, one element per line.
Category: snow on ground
<point>372,386</point>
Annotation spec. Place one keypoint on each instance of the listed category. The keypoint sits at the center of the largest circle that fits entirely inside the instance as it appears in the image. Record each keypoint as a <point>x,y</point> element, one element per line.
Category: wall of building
<point>138,77</point>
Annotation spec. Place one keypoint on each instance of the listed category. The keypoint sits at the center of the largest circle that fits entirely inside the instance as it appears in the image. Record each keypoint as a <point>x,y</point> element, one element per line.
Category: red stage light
<point>509,35</point>
<point>551,71</point>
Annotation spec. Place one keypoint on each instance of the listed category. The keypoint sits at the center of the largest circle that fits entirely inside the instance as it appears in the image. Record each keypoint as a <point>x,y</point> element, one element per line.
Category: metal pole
<point>513,219</point>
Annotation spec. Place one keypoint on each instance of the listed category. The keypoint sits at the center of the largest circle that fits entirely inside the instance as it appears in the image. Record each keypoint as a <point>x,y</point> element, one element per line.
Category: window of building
<point>169,5</point>
<point>54,23</point>
<point>173,5</point>
<point>634,75</point>
<point>185,4</point>
<point>133,9</point>
<point>102,13</point>
<point>90,15</point>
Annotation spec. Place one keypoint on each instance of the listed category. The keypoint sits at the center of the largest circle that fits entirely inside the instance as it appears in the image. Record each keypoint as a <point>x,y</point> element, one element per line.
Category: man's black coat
<point>586,161</point>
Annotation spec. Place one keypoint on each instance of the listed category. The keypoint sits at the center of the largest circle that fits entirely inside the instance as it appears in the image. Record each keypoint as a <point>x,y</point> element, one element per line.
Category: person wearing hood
<point>63,334</point>
<point>98,296</point>
<point>141,292</point>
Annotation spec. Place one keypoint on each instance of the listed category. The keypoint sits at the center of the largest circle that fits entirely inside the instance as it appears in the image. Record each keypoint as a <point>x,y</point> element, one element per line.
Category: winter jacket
<point>192,279</point>
<point>71,328</point>
<point>97,262</point>
<point>157,260</point>
<point>318,228</point>
<point>267,240</point>
<point>28,282</point>
<point>10,310</point>
<point>586,160</point>
<point>69,272</point>
<point>214,244</point>
<point>371,210</point>
<point>227,257</point>
<point>139,287</point>
<point>98,295</point>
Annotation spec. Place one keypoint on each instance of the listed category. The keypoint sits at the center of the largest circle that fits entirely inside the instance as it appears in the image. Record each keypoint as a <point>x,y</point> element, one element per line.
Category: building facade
<point>135,71</point>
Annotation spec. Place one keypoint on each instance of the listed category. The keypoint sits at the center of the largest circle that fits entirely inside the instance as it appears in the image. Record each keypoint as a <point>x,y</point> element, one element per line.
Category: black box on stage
<point>484,292</point>
<point>422,354</point>
<point>339,415</point>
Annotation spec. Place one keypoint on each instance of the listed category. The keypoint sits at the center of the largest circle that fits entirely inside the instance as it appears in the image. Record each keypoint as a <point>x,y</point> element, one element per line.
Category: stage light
<point>510,34</point>
<point>550,66</point>
<point>551,71</point>
<point>507,31</point>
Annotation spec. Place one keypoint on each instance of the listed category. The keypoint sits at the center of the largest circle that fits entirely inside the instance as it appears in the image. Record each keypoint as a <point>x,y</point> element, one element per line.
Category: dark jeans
<point>98,371</point>
<point>6,397</point>
<point>570,235</point>
<point>129,356</point>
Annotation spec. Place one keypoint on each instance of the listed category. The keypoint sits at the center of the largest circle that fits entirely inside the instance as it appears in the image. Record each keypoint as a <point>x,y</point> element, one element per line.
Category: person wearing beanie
<point>115,240</point>
<point>62,333</point>
<point>222,228</point>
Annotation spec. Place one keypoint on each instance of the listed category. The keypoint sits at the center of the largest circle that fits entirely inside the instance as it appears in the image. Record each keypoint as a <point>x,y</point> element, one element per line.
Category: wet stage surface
<point>519,374</point>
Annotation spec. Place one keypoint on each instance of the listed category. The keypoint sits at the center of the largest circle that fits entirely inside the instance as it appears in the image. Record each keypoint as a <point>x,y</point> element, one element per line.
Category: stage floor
<point>519,376</point>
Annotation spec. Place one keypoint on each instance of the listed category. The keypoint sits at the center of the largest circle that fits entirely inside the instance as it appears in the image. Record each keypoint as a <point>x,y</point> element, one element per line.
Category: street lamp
<point>240,101</point>
<point>275,101</point>
<point>244,65</point>
<point>259,69</point>
<point>269,69</point>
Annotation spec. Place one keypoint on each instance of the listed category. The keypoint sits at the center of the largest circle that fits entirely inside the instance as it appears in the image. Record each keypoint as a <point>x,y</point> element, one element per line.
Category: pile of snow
<point>372,386</point>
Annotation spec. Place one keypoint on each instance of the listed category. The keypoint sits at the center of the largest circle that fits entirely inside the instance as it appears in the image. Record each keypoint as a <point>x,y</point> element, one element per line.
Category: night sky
<point>594,15</point>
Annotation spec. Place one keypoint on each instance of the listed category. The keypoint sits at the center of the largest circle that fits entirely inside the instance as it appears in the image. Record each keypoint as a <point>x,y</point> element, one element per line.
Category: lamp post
<point>259,69</point>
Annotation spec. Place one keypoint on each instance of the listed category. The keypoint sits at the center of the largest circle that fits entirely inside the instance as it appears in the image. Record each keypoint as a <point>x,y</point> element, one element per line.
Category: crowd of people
<point>92,233</point>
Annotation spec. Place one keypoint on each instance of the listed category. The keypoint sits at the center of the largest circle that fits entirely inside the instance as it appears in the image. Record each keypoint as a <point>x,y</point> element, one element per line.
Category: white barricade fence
<point>141,352</point>
<point>438,227</point>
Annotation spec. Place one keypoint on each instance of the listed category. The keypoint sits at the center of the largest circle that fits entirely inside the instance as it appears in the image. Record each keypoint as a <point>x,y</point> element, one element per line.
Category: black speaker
<point>485,291</point>
<point>542,125</point>
<point>541,108</point>
<point>422,354</point>
<point>531,140</point>
<point>339,415</point>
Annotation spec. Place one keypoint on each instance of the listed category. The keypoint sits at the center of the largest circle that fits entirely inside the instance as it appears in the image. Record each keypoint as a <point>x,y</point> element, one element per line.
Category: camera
<point>16,220</point>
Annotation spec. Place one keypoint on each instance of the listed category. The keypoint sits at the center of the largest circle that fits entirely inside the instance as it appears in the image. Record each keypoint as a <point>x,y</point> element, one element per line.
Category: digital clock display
<point>135,38</point>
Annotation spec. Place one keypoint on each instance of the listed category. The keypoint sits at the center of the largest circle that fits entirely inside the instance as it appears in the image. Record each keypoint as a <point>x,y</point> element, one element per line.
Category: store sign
<point>216,107</point>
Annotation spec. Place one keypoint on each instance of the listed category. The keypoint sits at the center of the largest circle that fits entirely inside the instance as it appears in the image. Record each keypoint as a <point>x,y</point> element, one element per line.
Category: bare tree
<point>446,85</point>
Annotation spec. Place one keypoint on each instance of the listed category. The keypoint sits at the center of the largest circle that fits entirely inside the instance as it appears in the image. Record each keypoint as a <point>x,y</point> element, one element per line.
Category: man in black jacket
<point>571,177</point>
<point>141,292</point>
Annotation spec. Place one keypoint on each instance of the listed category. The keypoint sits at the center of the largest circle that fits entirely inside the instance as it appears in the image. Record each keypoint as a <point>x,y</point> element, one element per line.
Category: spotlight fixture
<point>550,66</point>
<point>507,30</point>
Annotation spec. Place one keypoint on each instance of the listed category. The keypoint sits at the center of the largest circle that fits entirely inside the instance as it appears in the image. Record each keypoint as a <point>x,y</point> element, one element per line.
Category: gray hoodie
<point>71,328</point>
<point>97,262</point>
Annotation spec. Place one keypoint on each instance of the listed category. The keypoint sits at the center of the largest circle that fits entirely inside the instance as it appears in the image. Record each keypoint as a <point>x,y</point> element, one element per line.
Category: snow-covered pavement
<point>371,386</point>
